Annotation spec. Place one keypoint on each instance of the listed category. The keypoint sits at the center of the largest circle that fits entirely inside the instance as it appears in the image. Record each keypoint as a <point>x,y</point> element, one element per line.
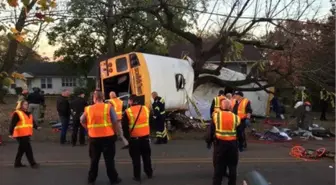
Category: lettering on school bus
<point>138,81</point>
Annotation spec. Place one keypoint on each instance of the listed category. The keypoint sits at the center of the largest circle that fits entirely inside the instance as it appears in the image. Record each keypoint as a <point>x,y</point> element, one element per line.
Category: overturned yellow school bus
<point>141,74</point>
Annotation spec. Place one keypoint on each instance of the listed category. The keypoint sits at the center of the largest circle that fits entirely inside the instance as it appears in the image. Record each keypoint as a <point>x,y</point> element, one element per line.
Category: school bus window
<point>179,81</point>
<point>134,60</point>
<point>121,64</point>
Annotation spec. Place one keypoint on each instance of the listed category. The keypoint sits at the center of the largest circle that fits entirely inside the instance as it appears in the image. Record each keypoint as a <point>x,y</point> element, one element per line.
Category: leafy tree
<point>309,58</point>
<point>20,23</point>
<point>90,29</point>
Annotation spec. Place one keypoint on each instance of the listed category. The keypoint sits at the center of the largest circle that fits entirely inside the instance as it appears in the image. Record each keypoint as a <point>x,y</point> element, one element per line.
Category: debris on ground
<point>300,152</point>
<point>274,134</point>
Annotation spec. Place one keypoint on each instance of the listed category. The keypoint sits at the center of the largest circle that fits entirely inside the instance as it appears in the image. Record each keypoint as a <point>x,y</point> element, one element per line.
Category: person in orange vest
<point>215,105</point>
<point>21,128</point>
<point>118,106</point>
<point>136,128</point>
<point>223,133</point>
<point>231,98</point>
<point>243,109</point>
<point>101,122</point>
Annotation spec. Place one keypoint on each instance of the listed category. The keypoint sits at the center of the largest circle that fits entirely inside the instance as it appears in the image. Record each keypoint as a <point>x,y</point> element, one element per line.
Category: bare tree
<point>238,25</point>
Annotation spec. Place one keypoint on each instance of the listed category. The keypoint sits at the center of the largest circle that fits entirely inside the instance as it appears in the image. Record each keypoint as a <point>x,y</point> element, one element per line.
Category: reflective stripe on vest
<point>226,123</point>
<point>242,107</point>
<point>218,100</point>
<point>141,127</point>
<point>99,120</point>
<point>117,105</point>
<point>25,125</point>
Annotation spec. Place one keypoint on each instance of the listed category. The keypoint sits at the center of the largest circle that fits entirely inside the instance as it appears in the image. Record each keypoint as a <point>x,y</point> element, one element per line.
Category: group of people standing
<point>74,109</point>
<point>230,117</point>
<point>102,120</point>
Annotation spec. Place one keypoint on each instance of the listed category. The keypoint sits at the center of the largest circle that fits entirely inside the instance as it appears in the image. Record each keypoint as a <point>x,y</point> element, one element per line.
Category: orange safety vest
<point>99,120</point>
<point>225,123</point>
<point>141,127</point>
<point>218,100</point>
<point>242,107</point>
<point>25,126</point>
<point>117,105</point>
<point>233,103</point>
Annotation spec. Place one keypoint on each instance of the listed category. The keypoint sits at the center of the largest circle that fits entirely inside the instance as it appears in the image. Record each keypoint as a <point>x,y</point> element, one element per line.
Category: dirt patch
<point>45,134</point>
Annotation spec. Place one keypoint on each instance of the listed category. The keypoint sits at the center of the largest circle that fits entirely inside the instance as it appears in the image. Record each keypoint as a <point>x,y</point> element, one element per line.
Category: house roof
<point>46,69</point>
<point>250,52</point>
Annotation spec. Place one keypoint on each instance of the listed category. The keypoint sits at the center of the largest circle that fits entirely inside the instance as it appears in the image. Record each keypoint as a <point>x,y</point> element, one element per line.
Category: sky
<point>323,7</point>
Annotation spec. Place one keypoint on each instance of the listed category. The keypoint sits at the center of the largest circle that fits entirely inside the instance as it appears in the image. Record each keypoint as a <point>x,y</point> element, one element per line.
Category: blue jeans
<point>65,124</point>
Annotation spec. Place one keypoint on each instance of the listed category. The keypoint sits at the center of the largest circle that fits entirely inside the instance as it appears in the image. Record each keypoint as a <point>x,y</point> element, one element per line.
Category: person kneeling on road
<point>135,123</point>
<point>224,128</point>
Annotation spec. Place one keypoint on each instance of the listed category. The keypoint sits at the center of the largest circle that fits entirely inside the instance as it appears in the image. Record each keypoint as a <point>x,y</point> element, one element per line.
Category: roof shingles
<point>46,69</point>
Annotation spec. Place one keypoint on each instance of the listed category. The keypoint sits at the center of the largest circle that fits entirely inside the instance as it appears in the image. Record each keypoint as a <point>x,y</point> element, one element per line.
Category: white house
<point>50,77</point>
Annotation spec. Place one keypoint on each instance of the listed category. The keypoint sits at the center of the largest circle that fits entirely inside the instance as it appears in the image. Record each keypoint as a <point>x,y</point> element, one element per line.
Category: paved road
<point>179,163</point>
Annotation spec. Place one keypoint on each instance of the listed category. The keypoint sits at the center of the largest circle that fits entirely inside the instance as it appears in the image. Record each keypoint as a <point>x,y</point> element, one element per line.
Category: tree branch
<point>260,44</point>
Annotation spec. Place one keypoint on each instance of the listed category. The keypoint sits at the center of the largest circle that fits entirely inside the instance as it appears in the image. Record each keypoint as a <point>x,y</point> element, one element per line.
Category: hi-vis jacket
<point>22,124</point>
<point>139,127</point>
<point>226,124</point>
<point>98,120</point>
<point>117,105</point>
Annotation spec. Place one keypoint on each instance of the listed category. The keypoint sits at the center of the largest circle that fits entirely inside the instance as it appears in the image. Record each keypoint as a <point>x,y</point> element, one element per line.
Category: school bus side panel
<point>140,80</point>
<point>162,71</point>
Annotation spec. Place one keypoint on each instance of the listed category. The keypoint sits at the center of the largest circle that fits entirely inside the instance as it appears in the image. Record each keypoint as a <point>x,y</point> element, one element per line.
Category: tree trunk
<point>9,62</point>
<point>2,92</point>
<point>110,42</point>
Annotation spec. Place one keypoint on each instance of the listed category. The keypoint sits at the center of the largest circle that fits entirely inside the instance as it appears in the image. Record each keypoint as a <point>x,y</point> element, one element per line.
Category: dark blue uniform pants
<point>161,131</point>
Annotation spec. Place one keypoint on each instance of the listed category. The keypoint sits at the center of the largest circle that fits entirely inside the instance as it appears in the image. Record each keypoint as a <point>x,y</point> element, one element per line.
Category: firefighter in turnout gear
<point>135,124</point>
<point>223,133</point>
<point>215,105</point>
<point>118,106</point>
<point>159,117</point>
<point>100,120</point>
<point>243,109</point>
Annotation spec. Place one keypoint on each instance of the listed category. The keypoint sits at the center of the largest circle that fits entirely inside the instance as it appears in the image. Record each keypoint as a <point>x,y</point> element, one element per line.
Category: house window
<point>69,82</point>
<point>46,83</point>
